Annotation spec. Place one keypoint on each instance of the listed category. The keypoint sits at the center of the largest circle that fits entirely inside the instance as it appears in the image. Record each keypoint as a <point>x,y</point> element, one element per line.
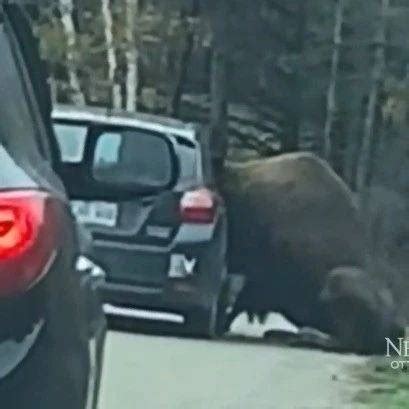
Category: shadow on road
<point>279,338</point>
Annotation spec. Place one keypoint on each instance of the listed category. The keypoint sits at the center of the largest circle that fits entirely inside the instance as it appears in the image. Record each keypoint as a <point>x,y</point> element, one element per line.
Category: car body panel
<point>70,113</point>
<point>44,331</point>
<point>13,353</point>
<point>143,248</point>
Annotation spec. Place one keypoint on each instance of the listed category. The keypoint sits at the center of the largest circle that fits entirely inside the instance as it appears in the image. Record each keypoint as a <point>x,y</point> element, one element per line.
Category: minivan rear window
<point>133,155</point>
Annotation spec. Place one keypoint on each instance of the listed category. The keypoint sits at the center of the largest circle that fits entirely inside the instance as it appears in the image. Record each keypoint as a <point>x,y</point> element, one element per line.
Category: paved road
<point>154,372</point>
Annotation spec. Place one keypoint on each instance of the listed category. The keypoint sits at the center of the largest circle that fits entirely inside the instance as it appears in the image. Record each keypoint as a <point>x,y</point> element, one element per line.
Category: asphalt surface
<point>169,372</point>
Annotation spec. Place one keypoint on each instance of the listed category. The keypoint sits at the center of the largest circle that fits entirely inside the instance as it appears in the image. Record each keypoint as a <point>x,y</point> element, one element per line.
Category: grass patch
<point>383,387</point>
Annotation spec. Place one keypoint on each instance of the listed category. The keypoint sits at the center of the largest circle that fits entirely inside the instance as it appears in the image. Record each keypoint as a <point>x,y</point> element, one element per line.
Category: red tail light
<point>26,239</point>
<point>198,206</point>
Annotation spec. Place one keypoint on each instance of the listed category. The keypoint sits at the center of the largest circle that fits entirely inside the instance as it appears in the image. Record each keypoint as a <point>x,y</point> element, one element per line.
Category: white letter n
<point>389,344</point>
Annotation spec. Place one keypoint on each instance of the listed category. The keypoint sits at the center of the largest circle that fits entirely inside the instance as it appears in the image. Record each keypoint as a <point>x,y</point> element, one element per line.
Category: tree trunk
<point>363,21</point>
<point>184,61</point>
<point>53,89</point>
<point>354,142</point>
<point>116,97</point>
<point>218,11</point>
<point>132,72</point>
<point>377,77</point>
<point>331,95</point>
<point>291,141</point>
<point>218,110</point>
<point>66,10</point>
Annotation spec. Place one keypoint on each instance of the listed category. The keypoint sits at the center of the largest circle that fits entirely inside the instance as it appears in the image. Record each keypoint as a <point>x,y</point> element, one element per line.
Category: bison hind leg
<point>262,316</point>
<point>251,316</point>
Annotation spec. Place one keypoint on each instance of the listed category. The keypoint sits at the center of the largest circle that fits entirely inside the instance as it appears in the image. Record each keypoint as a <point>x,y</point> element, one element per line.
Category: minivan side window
<point>71,140</point>
<point>188,164</point>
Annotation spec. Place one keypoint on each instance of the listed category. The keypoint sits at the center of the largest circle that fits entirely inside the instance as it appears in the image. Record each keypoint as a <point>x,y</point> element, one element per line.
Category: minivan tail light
<point>198,206</point>
<point>27,239</point>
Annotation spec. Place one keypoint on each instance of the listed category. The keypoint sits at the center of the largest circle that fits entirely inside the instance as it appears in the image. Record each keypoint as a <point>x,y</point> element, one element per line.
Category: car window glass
<point>108,148</point>
<point>35,79</point>
<point>187,163</point>
<point>71,139</point>
<point>134,156</point>
<point>17,127</point>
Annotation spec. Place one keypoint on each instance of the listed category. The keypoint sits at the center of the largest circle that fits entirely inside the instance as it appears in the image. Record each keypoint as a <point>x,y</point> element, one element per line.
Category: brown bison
<point>362,312</point>
<point>294,224</point>
<point>292,220</point>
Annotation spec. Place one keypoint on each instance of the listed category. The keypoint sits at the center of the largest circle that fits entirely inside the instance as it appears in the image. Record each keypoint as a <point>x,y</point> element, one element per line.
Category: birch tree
<point>132,72</point>
<point>378,75</point>
<point>316,58</point>
<point>66,9</point>
<point>331,95</point>
<point>116,97</point>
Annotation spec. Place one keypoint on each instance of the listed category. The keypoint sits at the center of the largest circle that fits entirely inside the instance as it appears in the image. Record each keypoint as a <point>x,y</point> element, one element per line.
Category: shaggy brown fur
<point>362,312</point>
<point>292,220</point>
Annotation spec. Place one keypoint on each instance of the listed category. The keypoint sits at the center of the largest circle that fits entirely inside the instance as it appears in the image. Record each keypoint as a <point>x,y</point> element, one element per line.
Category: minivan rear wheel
<point>210,322</point>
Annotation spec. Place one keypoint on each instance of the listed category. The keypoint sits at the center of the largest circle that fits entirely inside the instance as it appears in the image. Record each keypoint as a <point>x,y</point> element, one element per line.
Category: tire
<point>208,323</point>
<point>201,324</point>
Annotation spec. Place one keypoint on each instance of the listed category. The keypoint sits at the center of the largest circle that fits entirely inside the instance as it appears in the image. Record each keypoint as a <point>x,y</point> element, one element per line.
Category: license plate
<point>99,213</point>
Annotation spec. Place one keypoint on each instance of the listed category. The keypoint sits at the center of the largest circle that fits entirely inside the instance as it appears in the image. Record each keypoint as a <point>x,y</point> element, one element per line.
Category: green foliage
<point>160,37</point>
<point>53,44</point>
<point>384,387</point>
<point>278,58</point>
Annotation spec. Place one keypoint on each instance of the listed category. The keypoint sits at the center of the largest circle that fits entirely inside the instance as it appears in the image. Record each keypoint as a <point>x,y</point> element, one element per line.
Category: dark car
<point>143,185</point>
<point>51,328</point>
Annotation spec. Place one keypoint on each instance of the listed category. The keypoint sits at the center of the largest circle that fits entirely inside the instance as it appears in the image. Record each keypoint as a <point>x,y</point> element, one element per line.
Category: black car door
<point>38,243</point>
